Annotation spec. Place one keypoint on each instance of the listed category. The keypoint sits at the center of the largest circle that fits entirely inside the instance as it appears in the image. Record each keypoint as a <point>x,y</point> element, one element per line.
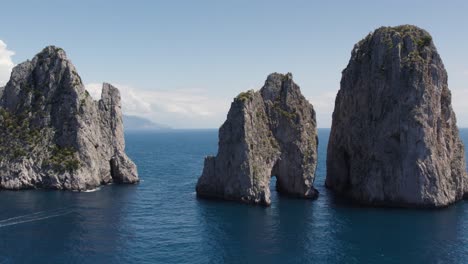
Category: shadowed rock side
<point>268,132</point>
<point>54,135</point>
<point>394,139</point>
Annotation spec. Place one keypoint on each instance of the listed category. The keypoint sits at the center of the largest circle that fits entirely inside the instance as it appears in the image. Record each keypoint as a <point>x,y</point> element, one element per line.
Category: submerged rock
<point>54,135</point>
<point>394,139</point>
<point>268,132</point>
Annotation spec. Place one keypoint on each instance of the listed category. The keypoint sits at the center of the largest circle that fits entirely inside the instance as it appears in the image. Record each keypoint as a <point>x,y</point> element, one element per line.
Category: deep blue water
<point>160,220</point>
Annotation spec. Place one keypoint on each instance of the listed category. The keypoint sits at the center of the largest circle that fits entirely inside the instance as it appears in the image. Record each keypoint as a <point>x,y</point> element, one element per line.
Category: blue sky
<point>181,62</point>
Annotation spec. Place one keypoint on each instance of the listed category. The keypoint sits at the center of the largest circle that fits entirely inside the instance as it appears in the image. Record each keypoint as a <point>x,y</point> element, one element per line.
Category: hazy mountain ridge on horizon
<point>137,123</point>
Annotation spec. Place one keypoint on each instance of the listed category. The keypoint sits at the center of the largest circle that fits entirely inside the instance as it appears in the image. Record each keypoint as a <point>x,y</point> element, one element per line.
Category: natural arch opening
<point>276,179</point>
<point>274,188</point>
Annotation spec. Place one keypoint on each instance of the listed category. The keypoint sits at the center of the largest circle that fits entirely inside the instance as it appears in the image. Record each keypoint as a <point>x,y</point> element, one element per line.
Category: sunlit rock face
<point>268,132</point>
<point>54,135</point>
<point>394,139</point>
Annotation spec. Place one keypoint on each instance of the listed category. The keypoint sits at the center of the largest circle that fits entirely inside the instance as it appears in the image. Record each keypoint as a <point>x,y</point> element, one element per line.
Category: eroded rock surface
<point>267,132</point>
<point>54,135</point>
<point>394,139</point>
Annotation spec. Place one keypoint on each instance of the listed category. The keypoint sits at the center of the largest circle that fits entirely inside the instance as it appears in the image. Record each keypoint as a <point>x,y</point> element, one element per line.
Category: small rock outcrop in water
<point>54,135</point>
<point>268,132</point>
<point>394,139</point>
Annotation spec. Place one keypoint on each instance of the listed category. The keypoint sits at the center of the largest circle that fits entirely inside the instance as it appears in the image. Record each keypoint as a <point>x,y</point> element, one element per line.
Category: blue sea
<point>161,220</point>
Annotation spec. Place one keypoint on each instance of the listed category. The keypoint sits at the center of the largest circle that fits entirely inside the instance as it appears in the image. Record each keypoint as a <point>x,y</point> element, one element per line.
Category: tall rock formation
<point>54,135</point>
<point>271,132</point>
<point>394,139</point>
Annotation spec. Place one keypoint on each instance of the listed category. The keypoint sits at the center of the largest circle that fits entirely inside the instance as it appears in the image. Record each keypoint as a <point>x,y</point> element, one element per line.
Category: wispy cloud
<point>133,103</point>
<point>324,104</point>
<point>460,107</point>
<point>193,108</point>
<point>6,63</point>
<point>184,108</point>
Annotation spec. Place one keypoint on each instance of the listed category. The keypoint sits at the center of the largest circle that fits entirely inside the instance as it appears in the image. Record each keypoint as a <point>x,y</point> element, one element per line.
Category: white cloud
<point>460,106</point>
<point>6,63</point>
<point>193,108</point>
<point>323,104</point>
<point>94,90</point>
<point>188,108</point>
<point>132,103</point>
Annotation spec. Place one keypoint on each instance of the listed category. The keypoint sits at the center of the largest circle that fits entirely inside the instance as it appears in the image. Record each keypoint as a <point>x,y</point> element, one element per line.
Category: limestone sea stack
<point>394,139</point>
<point>54,135</point>
<point>271,132</point>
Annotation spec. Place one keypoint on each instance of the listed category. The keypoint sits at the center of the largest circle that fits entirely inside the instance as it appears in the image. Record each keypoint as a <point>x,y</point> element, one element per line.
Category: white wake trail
<point>34,217</point>
<point>28,215</point>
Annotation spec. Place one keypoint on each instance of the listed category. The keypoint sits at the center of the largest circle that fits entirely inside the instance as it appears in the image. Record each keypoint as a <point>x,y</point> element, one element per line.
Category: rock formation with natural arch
<point>271,132</point>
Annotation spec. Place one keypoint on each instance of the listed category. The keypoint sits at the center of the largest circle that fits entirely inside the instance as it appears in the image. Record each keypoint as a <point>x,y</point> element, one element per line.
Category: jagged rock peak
<point>48,71</point>
<point>54,135</point>
<point>271,132</point>
<point>52,51</point>
<point>394,139</point>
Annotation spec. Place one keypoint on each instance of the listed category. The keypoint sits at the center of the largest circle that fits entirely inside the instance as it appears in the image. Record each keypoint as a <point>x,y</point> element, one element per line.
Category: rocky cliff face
<point>268,132</point>
<point>394,139</point>
<point>54,135</point>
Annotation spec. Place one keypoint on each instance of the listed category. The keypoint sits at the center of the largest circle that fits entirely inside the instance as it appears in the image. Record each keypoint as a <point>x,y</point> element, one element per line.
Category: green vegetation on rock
<point>424,41</point>
<point>244,96</point>
<point>289,115</point>
<point>62,159</point>
<point>19,139</point>
<point>17,136</point>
